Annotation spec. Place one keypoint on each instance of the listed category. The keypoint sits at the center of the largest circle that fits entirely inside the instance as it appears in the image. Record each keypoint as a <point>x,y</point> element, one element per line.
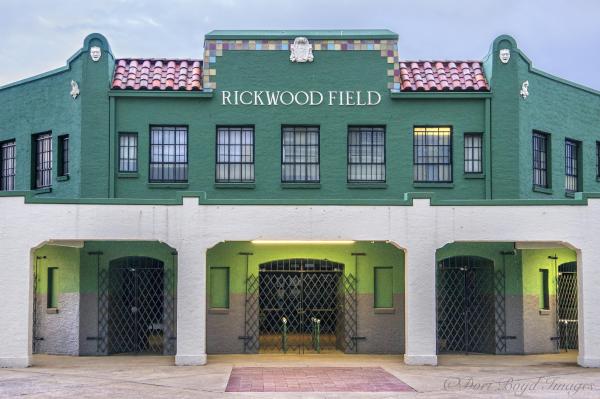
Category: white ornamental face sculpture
<point>301,50</point>
<point>524,90</point>
<point>504,55</point>
<point>74,89</point>
<point>95,53</point>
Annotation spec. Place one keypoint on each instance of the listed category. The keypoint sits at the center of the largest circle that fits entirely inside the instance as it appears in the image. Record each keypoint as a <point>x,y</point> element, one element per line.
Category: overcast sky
<point>561,37</point>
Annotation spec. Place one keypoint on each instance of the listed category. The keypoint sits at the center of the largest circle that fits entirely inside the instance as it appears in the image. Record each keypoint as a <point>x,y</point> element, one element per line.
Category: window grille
<point>432,154</point>
<point>235,155</point>
<point>300,154</point>
<point>63,151</point>
<point>128,157</point>
<point>7,165</point>
<point>571,166</point>
<point>43,160</point>
<point>168,154</point>
<point>473,153</point>
<point>540,160</point>
<point>366,154</point>
<point>598,159</point>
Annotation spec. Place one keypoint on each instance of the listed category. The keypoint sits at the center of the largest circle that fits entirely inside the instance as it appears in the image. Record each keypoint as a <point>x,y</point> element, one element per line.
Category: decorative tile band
<point>214,49</point>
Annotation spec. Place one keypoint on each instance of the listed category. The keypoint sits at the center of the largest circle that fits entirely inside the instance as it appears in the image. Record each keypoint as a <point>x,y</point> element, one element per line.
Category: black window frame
<point>306,164</point>
<point>450,162</point>
<point>42,161</point>
<point>135,159</point>
<point>544,289</point>
<point>8,164</point>
<point>163,164</point>
<point>541,167</point>
<point>371,146</point>
<point>597,160</point>
<point>471,151</point>
<point>63,155</point>
<point>572,166</point>
<point>242,164</point>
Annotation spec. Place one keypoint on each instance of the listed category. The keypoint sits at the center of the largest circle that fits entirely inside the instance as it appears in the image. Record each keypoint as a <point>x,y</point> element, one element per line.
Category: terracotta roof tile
<point>442,76</point>
<point>157,74</point>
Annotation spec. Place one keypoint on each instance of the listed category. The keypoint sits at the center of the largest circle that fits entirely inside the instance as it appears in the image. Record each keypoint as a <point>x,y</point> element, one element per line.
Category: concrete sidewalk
<point>543,376</point>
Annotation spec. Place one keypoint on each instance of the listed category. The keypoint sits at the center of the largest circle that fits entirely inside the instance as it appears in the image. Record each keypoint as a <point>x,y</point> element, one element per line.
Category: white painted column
<point>191,304</point>
<point>588,281</point>
<point>16,316</point>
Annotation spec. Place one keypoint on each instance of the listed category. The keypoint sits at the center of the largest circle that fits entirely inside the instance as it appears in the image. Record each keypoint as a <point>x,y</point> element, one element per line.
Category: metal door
<point>300,305</point>
<point>465,305</point>
<point>567,305</point>
<point>139,307</point>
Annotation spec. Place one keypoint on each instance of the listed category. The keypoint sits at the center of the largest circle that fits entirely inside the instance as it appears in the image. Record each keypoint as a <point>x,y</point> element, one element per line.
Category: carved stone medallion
<point>95,53</point>
<point>301,50</point>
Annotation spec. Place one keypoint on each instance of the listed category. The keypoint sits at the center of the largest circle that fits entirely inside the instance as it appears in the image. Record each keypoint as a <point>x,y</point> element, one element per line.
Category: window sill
<point>543,190</point>
<point>128,175</point>
<point>236,185</point>
<point>544,312</point>
<point>45,190</point>
<point>474,175</point>
<point>51,310</point>
<point>433,185</point>
<point>597,178</point>
<point>570,194</point>
<point>359,185</point>
<point>168,185</point>
<point>218,311</point>
<point>62,178</point>
<point>385,310</point>
<point>300,185</point>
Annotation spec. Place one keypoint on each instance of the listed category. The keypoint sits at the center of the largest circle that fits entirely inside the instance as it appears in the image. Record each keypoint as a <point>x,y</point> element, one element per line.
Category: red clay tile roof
<point>442,76</point>
<point>157,74</point>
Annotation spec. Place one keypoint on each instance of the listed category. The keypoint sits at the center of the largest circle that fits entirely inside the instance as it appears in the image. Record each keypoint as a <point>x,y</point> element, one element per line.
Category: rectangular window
<point>597,159</point>
<point>473,153</point>
<point>366,154</point>
<point>7,165</point>
<point>432,154</point>
<point>168,154</point>
<point>300,154</point>
<point>52,288</point>
<point>235,155</point>
<point>384,287</point>
<point>42,160</point>
<point>544,297</point>
<point>219,287</point>
<point>540,159</point>
<point>571,166</point>
<point>128,156</point>
<point>63,154</point>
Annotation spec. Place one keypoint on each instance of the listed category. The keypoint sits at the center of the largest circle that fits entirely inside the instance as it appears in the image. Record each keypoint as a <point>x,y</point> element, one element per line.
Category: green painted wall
<point>94,120</point>
<point>112,250</point>
<point>536,259</point>
<point>66,259</point>
<point>377,254</point>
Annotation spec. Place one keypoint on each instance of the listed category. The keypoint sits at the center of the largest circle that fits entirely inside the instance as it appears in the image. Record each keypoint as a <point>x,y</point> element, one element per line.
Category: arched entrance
<point>465,305</point>
<point>302,306</point>
<point>138,306</point>
<point>566,291</point>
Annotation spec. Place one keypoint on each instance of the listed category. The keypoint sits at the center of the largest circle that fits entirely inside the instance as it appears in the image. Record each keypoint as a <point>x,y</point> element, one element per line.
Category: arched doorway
<point>302,306</point>
<point>566,291</point>
<point>465,305</point>
<point>139,306</point>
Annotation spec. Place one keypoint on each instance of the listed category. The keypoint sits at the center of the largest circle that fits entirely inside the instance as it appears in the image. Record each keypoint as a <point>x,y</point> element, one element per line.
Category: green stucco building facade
<point>299,192</point>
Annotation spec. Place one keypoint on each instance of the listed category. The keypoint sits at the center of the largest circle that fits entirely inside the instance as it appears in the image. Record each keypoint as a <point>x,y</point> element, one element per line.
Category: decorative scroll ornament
<point>301,50</point>
<point>74,89</point>
<point>95,53</point>
<point>524,90</point>
<point>504,55</point>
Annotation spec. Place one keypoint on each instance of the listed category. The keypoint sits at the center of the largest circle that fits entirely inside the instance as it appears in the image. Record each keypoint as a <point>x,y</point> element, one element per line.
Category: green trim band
<point>310,34</point>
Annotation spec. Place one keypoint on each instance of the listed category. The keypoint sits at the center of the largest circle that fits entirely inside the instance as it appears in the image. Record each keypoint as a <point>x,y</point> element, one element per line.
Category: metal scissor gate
<point>567,305</point>
<point>465,305</point>
<point>136,307</point>
<point>300,305</point>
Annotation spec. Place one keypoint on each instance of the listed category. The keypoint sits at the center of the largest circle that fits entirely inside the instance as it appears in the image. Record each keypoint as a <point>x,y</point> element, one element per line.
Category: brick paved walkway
<point>314,379</point>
